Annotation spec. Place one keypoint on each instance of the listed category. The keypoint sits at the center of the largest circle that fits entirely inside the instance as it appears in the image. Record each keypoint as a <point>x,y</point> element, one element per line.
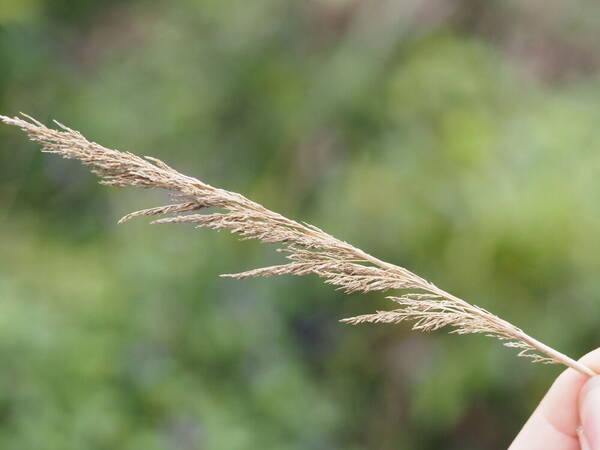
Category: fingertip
<point>555,423</point>
<point>589,411</point>
<point>592,360</point>
<point>560,404</point>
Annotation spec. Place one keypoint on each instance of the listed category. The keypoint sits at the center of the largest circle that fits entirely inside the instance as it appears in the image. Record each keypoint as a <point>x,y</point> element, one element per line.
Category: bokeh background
<point>458,138</point>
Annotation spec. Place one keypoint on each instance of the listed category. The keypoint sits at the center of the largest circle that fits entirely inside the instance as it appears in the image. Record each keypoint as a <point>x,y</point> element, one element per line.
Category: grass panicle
<point>308,249</point>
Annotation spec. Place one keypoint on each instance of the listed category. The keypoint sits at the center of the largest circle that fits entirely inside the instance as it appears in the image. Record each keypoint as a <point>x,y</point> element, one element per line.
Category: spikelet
<point>308,249</point>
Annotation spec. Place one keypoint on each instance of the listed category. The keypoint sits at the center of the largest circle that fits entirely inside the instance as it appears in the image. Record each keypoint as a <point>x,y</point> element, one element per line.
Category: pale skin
<point>568,417</point>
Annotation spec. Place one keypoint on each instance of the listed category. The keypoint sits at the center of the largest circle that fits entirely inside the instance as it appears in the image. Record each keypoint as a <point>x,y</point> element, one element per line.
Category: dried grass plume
<point>308,249</point>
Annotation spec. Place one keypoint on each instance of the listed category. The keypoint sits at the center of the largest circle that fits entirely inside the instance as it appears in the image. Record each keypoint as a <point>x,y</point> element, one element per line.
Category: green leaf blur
<point>458,141</point>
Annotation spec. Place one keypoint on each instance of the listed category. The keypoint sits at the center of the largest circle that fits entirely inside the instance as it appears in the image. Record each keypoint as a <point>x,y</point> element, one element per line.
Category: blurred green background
<point>457,138</point>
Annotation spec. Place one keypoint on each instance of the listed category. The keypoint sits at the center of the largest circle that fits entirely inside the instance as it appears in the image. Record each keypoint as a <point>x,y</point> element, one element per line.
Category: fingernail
<point>589,413</point>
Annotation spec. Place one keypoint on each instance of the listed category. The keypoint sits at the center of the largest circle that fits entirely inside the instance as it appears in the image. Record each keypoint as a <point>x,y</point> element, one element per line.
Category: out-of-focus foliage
<point>459,139</point>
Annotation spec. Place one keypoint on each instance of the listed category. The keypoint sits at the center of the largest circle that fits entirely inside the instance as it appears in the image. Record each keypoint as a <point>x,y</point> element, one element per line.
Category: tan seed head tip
<point>9,120</point>
<point>349,320</point>
<point>161,221</point>
<point>27,116</point>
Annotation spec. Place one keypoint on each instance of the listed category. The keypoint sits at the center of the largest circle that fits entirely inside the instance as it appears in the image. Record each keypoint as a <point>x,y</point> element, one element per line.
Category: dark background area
<point>456,138</point>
